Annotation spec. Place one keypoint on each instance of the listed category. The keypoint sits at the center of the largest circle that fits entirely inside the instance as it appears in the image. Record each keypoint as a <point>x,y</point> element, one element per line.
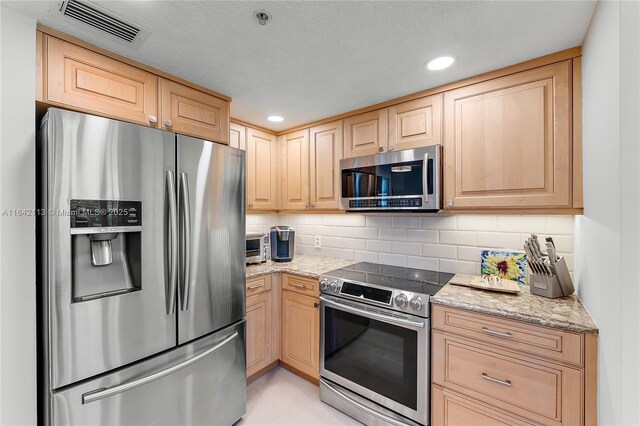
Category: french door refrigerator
<point>141,275</point>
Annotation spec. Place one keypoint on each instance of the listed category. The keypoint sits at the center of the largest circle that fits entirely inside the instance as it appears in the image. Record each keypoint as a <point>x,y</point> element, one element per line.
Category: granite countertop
<point>566,313</point>
<point>306,265</point>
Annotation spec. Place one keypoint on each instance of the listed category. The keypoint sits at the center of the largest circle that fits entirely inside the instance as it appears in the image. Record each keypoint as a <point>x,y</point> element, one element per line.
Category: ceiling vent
<point>107,22</point>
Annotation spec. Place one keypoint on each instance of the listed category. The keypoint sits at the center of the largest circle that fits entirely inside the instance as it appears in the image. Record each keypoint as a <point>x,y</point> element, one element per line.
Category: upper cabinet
<point>365,134</point>
<point>192,112</point>
<point>261,170</point>
<point>94,81</point>
<point>325,153</point>
<point>80,79</point>
<point>237,136</point>
<point>508,141</point>
<point>294,171</point>
<point>415,123</point>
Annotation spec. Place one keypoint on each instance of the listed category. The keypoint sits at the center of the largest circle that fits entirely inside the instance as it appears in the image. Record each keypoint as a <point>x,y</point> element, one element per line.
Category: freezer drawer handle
<point>107,392</point>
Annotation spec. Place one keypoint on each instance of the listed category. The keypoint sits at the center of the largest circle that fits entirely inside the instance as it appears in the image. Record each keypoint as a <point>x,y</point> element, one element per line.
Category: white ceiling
<point>321,58</point>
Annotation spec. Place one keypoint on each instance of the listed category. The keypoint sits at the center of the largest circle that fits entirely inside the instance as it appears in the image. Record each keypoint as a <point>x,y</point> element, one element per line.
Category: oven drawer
<point>302,285</point>
<point>535,340</point>
<point>258,285</point>
<point>541,391</point>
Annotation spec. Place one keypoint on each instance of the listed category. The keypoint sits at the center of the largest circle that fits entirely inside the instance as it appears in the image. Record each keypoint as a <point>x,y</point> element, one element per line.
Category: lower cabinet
<point>259,332</point>
<point>301,333</point>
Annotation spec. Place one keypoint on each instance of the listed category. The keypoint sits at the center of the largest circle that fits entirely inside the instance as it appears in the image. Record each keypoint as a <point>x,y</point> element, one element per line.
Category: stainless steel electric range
<point>374,342</point>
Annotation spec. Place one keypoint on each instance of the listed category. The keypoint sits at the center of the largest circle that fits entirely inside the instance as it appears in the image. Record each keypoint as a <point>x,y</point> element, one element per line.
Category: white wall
<point>608,235</point>
<point>441,243</point>
<point>17,234</point>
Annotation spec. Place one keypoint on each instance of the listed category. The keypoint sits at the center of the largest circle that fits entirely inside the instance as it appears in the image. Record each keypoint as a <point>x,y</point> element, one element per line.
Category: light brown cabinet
<point>191,112</point>
<point>83,80</point>
<point>415,123</point>
<point>508,141</point>
<point>237,136</point>
<point>261,170</point>
<point>325,153</point>
<point>294,171</point>
<point>259,332</point>
<point>490,370</point>
<point>300,346</point>
<point>365,134</point>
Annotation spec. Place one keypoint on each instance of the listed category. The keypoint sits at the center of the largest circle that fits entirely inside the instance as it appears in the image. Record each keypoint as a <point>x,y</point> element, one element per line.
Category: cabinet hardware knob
<point>168,123</point>
<point>153,119</point>
<point>250,206</point>
<point>380,149</point>
<point>449,203</point>
<point>316,304</point>
<point>391,148</point>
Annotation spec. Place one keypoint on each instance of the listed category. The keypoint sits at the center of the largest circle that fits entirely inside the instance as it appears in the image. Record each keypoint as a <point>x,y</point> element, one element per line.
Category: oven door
<point>379,354</point>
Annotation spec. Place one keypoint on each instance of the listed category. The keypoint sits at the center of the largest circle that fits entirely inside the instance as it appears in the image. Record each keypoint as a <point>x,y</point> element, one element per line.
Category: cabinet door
<point>365,134</point>
<point>415,123</point>
<point>301,333</point>
<point>261,170</point>
<point>294,171</point>
<point>80,79</point>
<point>259,332</point>
<point>237,136</point>
<point>324,165</point>
<point>191,112</point>
<point>507,141</point>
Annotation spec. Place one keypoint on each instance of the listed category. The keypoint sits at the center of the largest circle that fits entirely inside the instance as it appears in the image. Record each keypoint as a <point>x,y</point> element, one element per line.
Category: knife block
<point>552,286</point>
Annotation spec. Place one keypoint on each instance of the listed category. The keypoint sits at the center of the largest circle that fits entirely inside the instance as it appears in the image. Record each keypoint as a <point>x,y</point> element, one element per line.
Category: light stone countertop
<point>306,265</point>
<point>566,313</point>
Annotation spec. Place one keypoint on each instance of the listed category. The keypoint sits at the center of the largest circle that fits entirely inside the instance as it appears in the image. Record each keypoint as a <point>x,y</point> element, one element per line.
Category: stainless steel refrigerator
<point>141,275</point>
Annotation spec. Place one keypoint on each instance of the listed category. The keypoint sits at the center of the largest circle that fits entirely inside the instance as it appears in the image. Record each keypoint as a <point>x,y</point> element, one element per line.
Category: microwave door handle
<point>425,178</point>
<point>186,238</point>
<point>173,246</point>
<point>391,320</point>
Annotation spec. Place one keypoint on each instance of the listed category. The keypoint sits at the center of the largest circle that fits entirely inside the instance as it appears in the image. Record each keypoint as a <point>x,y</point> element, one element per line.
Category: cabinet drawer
<point>258,285</point>
<point>452,409</point>
<point>543,392</point>
<point>87,81</point>
<point>536,340</point>
<point>301,285</point>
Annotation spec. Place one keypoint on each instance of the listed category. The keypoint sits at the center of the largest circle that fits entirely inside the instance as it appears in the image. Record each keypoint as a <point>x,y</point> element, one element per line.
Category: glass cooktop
<point>393,277</point>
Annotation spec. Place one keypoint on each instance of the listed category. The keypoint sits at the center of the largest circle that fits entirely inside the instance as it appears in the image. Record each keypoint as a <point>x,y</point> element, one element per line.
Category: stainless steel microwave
<point>399,180</point>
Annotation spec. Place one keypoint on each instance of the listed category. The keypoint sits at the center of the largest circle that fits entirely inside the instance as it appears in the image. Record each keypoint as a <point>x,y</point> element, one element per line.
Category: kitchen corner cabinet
<point>294,171</point>
<point>493,370</point>
<point>325,153</point>
<point>415,123</point>
<point>508,141</point>
<point>262,160</point>
<point>79,79</point>
<point>237,136</point>
<point>192,112</point>
<point>260,324</point>
<point>365,134</point>
<point>300,334</point>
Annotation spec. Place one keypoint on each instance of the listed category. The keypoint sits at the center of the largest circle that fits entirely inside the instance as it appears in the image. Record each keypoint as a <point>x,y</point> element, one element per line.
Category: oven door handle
<point>391,320</point>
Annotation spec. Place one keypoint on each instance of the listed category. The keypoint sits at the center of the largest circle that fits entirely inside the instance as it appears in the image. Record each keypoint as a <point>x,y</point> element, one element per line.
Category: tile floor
<point>282,398</point>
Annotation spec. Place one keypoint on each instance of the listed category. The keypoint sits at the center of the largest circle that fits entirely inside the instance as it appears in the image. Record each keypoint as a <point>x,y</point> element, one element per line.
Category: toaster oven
<point>257,247</point>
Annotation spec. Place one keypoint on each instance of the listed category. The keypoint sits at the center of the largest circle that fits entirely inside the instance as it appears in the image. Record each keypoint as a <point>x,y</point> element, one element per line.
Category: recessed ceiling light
<point>275,118</point>
<point>440,63</point>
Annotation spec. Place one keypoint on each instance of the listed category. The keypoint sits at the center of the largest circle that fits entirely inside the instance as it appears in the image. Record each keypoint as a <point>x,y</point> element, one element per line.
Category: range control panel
<point>386,202</point>
<point>105,213</point>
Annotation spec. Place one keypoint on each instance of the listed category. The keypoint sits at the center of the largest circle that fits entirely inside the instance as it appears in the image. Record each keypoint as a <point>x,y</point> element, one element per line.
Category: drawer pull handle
<point>253,287</point>
<point>297,285</point>
<point>496,333</point>
<point>498,381</point>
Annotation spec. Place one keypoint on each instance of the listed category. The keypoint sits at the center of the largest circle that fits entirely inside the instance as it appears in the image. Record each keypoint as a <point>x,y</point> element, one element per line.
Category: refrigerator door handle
<point>173,245</point>
<point>186,239</point>
<point>102,393</point>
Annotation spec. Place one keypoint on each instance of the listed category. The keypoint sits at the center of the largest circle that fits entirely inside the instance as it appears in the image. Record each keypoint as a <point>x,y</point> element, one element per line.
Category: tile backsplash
<point>443,243</point>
